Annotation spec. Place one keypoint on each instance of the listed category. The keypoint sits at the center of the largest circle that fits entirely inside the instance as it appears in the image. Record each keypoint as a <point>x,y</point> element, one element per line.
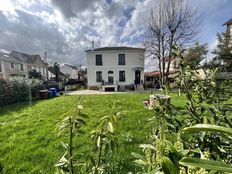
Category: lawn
<point>29,131</point>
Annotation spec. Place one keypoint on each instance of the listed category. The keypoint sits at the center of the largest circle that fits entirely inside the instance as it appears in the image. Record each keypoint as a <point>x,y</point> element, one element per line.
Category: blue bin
<point>54,92</point>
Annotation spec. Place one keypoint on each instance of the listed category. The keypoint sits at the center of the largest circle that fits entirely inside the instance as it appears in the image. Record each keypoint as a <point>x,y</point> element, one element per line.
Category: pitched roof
<point>151,74</point>
<point>73,67</point>
<point>228,22</point>
<point>123,48</point>
<point>8,58</point>
<point>52,70</point>
<point>27,58</point>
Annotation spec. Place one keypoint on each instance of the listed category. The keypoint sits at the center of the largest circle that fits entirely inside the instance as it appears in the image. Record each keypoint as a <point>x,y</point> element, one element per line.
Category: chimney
<point>92,45</point>
<point>45,57</point>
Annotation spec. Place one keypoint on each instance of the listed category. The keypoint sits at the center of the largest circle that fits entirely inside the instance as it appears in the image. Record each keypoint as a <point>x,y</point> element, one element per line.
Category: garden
<point>187,131</point>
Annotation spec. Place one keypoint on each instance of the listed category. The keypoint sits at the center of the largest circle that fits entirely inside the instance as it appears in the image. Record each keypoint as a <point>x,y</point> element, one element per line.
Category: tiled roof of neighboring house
<point>71,66</point>
<point>52,70</point>
<point>8,58</point>
<point>123,48</point>
<point>151,74</point>
<point>228,22</point>
<point>27,58</point>
<point>156,73</point>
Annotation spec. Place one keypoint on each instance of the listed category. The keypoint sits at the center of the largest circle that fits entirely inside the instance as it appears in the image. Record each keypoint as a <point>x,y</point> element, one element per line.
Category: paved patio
<point>87,92</point>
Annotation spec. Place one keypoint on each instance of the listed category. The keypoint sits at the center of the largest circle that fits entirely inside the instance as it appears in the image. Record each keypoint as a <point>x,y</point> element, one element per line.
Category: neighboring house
<point>52,74</point>
<point>151,79</point>
<point>70,71</point>
<point>229,25</point>
<point>115,66</point>
<point>82,75</point>
<point>12,67</point>
<point>33,62</point>
<point>174,65</point>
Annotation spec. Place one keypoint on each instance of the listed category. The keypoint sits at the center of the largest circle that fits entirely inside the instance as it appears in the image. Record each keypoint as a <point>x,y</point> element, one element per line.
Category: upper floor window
<point>0,66</point>
<point>98,59</point>
<point>12,65</point>
<point>121,59</point>
<point>21,67</point>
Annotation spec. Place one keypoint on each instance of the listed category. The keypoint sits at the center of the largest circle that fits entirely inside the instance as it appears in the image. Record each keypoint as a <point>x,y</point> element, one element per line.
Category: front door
<point>110,77</point>
<point>137,77</point>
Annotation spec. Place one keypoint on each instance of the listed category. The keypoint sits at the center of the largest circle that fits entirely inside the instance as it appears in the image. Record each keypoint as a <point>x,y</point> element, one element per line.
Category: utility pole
<point>45,56</point>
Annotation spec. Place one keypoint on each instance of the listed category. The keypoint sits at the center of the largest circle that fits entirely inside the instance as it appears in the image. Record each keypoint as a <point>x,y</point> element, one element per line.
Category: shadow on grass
<point>16,107</point>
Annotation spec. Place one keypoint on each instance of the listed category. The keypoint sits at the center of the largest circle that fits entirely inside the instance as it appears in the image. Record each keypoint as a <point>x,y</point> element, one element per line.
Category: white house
<point>70,71</point>
<point>115,67</point>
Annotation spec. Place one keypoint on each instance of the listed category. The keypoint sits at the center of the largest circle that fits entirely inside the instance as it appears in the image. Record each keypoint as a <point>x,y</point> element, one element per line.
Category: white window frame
<point>21,67</point>
<point>11,65</point>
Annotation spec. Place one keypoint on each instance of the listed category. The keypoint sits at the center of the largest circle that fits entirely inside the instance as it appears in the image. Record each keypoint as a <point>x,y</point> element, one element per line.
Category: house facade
<point>11,67</point>
<point>17,64</point>
<point>32,62</point>
<point>229,25</point>
<point>70,71</point>
<point>118,66</point>
<point>52,74</point>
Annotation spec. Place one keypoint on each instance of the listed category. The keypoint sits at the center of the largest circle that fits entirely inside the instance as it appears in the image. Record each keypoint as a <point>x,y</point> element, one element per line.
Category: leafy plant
<point>105,140</point>
<point>73,121</point>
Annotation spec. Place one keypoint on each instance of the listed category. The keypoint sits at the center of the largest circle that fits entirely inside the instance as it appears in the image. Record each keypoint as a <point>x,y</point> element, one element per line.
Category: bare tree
<point>171,23</point>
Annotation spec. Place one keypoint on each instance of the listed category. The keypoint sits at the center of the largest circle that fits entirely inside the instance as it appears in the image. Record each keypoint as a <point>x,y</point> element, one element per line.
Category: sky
<point>65,28</point>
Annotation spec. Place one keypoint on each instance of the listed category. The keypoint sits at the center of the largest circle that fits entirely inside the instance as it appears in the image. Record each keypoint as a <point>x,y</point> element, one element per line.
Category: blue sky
<point>65,28</point>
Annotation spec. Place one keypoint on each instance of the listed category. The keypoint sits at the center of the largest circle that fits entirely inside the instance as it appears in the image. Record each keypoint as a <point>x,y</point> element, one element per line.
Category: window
<point>121,59</point>
<point>0,66</point>
<point>148,79</point>
<point>98,59</point>
<point>44,70</point>
<point>122,77</point>
<point>12,65</point>
<point>110,77</point>
<point>21,67</point>
<point>98,76</point>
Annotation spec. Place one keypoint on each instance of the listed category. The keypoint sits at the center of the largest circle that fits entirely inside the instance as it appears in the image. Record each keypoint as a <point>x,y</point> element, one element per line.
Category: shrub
<point>17,90</point>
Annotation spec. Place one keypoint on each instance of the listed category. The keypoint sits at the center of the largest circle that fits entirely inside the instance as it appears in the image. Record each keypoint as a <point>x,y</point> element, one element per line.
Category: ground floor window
<point>148,79</point>
<point>98,76</point>
<point>0,67</point>
<point>122,76</point>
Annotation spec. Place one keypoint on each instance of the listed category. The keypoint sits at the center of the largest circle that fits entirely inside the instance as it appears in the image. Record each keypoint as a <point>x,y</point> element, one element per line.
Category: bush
<point>17,90</point>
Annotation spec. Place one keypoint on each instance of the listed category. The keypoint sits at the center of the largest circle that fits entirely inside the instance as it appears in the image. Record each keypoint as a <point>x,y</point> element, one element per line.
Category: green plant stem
<point>71,145</point>
<point>161,137</point>
<point>99,155</point>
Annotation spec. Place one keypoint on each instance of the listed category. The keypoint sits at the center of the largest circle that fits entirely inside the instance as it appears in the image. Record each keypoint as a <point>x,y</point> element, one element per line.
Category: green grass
<point>29,141</point>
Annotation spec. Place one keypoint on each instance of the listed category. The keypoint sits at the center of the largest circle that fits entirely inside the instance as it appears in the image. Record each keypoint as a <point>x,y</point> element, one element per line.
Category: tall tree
<point>194,55</point>
<point>171,23</point>
<point>223,51</point>
<point>57,70</point>
<point>34,74</point>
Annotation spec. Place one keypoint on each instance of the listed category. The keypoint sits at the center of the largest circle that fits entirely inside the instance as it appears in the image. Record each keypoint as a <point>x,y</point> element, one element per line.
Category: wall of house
<point>2,69</point>
<point>38,68</point>
<point>8,72</point>
<point>230,29</point>
<point>133,59</point>
<point>174,65</point>
<point>67,70</point>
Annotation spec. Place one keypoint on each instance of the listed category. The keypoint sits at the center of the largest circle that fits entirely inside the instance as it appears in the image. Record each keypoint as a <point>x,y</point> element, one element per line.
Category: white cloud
<point>65,28</point>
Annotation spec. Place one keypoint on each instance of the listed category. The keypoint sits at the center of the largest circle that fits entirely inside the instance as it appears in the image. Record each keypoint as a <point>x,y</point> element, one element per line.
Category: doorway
<point>137,77</point>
